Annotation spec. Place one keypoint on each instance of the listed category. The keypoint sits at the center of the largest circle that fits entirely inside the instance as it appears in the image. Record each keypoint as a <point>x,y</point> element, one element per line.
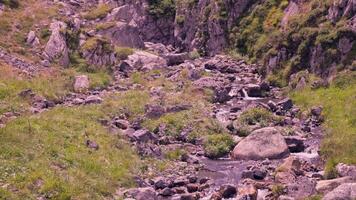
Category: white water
<point>246,97</point>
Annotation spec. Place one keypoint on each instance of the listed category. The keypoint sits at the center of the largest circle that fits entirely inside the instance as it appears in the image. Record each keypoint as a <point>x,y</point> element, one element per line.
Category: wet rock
<point>261,144</point>
<point>328,185</point>
<point>346,191</point>
<point>253,90</point>
<point>346,170</point>
<point>259,174</point>
<point>272,105</point>
<point>285,104</point>
<point>93,99</point>
<point>295,143</point>
<point>228,191</point>
<point>81,83</point>
<point>221,95</point>
<point>179,182</point>
<point>191,187</point>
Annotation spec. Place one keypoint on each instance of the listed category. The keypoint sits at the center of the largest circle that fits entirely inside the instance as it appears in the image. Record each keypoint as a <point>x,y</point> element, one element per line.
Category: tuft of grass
<point>174,154</point>
<point>218,145</point>
<point>98,12</point>
<point>123,52</point>
<point>339,110</point>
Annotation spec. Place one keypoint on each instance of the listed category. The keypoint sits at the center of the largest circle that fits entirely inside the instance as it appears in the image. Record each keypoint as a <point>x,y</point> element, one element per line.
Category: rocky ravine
<point>279,159</point>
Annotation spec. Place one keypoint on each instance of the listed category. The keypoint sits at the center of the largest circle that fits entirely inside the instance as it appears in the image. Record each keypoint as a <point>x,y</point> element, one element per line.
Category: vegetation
<point>123,52</point>
<point>162,8</point>
<point>340,117</point>
<point>11,3</point>
<point>46,155</point>
<point>98,12</point>
<point>218,145</point>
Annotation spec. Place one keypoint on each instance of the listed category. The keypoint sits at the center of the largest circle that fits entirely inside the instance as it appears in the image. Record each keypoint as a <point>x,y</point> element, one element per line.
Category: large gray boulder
<point>142,60</point>
<point>324,186</point>
<point>125,34</point>
<point>261,144</point>
<point>346,191</point>
<point>81,83</point>
<point>56,47</point>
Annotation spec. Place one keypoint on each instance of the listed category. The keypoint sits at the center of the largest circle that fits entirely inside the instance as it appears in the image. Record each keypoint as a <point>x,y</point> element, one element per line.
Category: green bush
<point>259,116</point>
<point>218,145</point>
<point>123,52</point>
<point>162,8</point>
<point>11,3</point>
<point>98,12</point>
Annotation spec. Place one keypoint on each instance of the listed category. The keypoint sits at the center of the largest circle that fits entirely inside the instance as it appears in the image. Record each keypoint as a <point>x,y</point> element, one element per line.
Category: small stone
<point>166,192</point>
<point>259,174</point>
<point>316,111</point>
<point>93,100</point>
<point>92,144</point>
<point>286,104</point>
<point>81,83</point>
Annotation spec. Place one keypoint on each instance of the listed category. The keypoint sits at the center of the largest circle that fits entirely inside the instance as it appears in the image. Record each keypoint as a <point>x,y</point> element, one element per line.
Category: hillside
<point>178,99</point>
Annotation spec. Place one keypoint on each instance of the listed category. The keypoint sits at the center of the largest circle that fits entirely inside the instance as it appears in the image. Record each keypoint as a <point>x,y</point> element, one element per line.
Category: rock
<point>166,192</point>
<point>93,99</point>
<point>247,192</point>
<point>145,61</point>
<point>328,185</point>
<point>288,170</point>
<point>121,124</point>
<point>176,58</point>
<point>346,170</point>
<point>295,143</point>
<point>32,39</point>
<point>253,90</point>
<point>272,105</point>
<point>154,111</point>
<point>141,194</point>
<point>261,144</point>
<point>228,191</point>
<point>160,183</point>
<point>191,187</point>
<point>316,111</point>
<point>81,83</point>
<point>143,136</point>
<point>92,144</point>
<point>259,174</point>
<point>56,47</point>
<point>221,94</point>
<point>188,197</point>
<point>285,104</point>
<point>346,191</point>
<point>125,34</point>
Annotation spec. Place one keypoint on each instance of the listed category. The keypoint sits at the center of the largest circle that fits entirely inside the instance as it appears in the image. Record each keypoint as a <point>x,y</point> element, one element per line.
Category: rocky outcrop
<point>56,47</point>
<point>341,8</point>
<point>261,144</point>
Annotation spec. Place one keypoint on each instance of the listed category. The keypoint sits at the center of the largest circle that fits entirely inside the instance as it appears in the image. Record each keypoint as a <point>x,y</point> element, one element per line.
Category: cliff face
<point>284,36</point>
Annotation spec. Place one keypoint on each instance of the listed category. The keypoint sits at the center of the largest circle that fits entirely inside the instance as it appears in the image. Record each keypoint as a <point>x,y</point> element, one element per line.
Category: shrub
<point>99,12</point>
<point>218,145</point>
<point>162,8</point>
<point>258,116</point>
<point>11,3</point>
<point>175,154</point>
<point>123,52</point>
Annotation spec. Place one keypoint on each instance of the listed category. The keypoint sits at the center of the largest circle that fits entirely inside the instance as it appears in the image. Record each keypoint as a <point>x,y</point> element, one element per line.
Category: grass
<point>339,110</point>
<point>218,145</point>
<point>46,155</point>
<point>98,12</point>
<point>123,52</point>
<point>254,116</point>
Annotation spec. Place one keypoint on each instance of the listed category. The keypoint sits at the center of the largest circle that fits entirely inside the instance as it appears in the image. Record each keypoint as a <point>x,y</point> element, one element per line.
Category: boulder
<point>93,99</point>
<point>125,34</point>
<point>253,90</point>
<point>228,191</point>
<point>32,39</point>
<point>143,135</point>
<point>176,58</point>
<point>261,144</point>
<point>295,143</point>
<point>285,104</point>
<point>346,191</point>
<point>81,83</point>
<point>141,60</point>
<point>56,47</point>
<point>247,192</point>
<point>346,170</point>
<point>328,185</point>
